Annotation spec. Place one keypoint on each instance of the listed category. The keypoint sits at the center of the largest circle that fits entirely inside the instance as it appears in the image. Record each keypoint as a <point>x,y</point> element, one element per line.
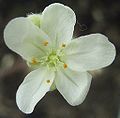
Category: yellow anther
<point>45,43</point>
<point>48,81</point>
<point>63,45</point>
<point>65,66</point>
<point>34,61</point>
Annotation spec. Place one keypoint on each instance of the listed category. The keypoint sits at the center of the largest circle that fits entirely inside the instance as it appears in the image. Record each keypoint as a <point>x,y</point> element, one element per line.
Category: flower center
<point>53,59</point>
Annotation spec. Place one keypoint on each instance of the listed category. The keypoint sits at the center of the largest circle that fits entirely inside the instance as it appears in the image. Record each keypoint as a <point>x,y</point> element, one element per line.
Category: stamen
<point>65,66</point>
<point>34,61</point>
<point>48,81</point>
<point>45,43</point>
<point>63,45</point>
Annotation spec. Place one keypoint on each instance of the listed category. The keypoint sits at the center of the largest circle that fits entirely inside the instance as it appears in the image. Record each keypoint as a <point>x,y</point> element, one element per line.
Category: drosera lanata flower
<point>45,42</point>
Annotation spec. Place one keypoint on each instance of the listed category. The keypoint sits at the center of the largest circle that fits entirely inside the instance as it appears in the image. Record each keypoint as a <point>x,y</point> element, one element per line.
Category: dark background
<point>103,99</point>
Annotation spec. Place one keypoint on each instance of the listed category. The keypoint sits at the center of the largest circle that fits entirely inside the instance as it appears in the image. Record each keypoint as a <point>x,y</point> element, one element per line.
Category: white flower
<point>44,41</point>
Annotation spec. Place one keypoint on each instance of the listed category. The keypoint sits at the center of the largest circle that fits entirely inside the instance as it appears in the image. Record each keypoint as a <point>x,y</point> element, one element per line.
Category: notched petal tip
<point>110,48</point>
<point>90,52</point>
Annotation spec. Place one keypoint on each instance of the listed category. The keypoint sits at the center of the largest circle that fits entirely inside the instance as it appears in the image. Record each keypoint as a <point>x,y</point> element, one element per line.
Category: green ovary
<point>53,59</point>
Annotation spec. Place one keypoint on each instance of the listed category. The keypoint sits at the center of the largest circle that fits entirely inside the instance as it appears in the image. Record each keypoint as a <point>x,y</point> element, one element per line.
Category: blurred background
<point>103,99</point>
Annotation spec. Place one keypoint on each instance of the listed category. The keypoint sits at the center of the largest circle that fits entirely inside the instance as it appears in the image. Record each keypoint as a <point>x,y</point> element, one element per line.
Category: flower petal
<point>33,88</point>
<point>73,86</point>
<point>58,22</point>
<point>90,52</point>
<point>23,37</point>
<point>35,18</point>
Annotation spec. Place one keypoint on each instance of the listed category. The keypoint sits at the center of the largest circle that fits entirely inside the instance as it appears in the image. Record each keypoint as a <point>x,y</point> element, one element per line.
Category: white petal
<point>90,52</point>
<point>73,86</point>
<point>23,37</point>
<point>35,18</point>
<point>33,88</point>
<point>58,22</point>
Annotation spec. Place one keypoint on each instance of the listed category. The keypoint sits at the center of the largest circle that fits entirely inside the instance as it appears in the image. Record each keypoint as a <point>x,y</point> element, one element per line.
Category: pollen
<point>63,45</point>
<point>48,81</point>
<point>34,61</point>
<point>45,43</point>
<point>65,66</point>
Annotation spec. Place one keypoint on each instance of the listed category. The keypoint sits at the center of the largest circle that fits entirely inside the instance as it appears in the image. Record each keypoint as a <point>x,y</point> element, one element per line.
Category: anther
<point>65,66</point>
<point>34,61</point>
<point>45,43</point>
<point>63,45</point>
<point>48,81</point>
